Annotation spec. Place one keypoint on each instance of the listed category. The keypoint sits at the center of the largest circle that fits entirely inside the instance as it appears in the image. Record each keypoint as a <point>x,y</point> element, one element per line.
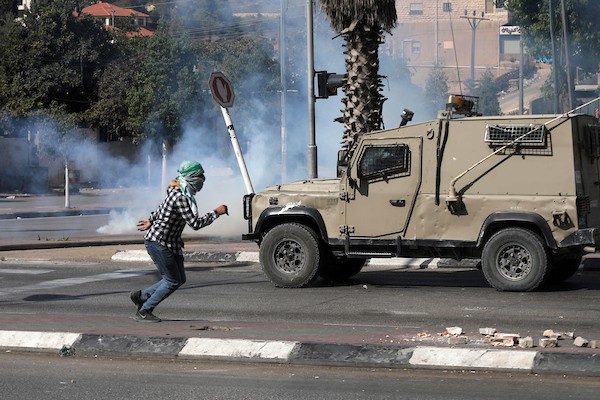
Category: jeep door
<point>384,179</point>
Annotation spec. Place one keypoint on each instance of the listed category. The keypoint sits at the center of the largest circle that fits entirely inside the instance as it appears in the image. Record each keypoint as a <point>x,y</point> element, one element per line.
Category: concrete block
<point>505,339</point>
<point>580,342</point>
<point>526,342</point>
<point>548,342</point>
<point>487,331</point>
<point>454,330</point>
<point>454,340</point>
<point>594,344</point>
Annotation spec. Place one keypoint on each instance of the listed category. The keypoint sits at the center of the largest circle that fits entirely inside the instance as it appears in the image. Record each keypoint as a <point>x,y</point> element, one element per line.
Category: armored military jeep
<point>521,193</point>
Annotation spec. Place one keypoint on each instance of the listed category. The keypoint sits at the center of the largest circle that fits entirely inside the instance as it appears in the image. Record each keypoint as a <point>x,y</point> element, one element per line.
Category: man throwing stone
<point>163,239</point>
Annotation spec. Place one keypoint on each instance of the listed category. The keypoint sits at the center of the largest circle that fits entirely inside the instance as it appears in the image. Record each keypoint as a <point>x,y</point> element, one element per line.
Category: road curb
<point>252,257</point>
<point>292,352</point>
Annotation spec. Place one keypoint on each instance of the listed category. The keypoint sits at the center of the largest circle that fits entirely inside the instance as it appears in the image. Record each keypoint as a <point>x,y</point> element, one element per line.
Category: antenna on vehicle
<point>455,55</point>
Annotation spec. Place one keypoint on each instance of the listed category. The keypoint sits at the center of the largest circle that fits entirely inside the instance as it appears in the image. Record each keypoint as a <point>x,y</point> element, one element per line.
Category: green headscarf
<point>191,179</point>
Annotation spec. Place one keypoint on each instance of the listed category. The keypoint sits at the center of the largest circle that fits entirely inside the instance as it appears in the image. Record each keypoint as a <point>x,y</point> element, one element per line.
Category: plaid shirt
<point>170,218</point>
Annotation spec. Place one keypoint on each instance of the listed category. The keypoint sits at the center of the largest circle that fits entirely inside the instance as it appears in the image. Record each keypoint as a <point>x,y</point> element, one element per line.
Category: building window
<point>416,47</point>
<point>416,9</point>
<point>447,7</point>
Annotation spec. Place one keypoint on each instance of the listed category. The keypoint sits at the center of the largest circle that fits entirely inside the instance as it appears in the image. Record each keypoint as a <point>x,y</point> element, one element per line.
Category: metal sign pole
<point>163,178</point>
<point>237,150</point>
<point>67,189</point>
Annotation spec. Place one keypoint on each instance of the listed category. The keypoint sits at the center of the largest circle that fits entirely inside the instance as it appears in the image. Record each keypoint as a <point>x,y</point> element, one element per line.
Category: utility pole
<point>567,55</point>
<point>437,7</point>
<point>474,22</point>
<point>554,57</point>
<point>521,88</point>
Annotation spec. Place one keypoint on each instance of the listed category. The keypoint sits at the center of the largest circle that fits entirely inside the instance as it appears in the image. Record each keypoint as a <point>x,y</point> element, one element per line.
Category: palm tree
<point>362,23</point>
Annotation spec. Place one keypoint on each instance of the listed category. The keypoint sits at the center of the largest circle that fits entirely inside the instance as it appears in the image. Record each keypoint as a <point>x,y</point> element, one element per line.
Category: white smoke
<point>262,154</point>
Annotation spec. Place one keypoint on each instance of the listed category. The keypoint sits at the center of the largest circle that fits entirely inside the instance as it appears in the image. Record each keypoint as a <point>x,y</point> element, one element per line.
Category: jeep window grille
<point>583,205</point>
<point>593,143</point>
<point>384,161</point>
<point>530,139</point>
<point>500,135</point>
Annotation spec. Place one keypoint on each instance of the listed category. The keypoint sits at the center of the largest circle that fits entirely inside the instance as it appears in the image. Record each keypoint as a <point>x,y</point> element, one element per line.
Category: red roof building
<point>108,13</point>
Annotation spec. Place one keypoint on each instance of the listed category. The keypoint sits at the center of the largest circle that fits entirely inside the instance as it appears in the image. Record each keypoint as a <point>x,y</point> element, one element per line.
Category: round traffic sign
<point>221,89</point>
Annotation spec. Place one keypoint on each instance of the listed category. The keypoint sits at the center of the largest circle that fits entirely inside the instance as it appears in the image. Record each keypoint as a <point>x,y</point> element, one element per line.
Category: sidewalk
<point>306,343</point>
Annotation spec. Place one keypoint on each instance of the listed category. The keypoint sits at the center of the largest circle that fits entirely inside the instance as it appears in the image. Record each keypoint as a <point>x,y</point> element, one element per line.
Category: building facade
<point>440,33</point>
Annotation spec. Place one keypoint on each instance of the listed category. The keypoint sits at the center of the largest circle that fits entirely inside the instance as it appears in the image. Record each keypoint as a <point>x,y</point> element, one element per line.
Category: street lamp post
<point>312,145</point>
<point>283,99</point>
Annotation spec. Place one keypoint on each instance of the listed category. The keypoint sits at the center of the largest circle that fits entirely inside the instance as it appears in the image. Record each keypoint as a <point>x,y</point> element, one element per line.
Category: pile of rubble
<point>550,338</point>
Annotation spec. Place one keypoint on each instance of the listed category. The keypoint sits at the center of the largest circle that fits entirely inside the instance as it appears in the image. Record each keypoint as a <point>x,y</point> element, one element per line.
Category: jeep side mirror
<point>342,163</point>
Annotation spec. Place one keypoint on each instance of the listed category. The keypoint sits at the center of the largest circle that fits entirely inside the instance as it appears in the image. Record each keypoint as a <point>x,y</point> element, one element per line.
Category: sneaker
<point>136,297</point>
<point>146,316</point>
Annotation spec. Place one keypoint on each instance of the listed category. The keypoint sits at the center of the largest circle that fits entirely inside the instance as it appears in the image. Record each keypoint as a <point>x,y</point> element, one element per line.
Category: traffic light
<point>327,83</point>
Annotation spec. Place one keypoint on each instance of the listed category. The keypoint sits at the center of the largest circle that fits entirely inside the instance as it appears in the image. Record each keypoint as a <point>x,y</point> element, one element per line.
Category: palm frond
<point>380,13</point>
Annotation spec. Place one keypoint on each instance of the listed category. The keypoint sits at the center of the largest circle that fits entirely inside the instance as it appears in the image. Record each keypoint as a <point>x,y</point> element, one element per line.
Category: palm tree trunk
<point>363,99</point>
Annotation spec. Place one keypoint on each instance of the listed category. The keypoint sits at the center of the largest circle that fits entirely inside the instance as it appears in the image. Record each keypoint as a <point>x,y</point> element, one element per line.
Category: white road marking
<point>58,283</point>
<point>25,271</point>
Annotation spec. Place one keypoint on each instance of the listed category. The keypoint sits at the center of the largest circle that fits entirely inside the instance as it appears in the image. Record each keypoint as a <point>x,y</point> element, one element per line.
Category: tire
<point>515,259</point>
<point>290,255</point>
<point>562,269</point>
<point>339,269</point>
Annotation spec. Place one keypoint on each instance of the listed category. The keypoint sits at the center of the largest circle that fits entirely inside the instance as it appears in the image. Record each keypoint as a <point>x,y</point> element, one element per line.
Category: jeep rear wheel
<point>515,259</point>
<point>290,255</point>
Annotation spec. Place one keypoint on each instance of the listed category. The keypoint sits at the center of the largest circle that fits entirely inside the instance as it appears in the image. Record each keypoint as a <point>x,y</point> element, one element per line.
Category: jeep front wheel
<point>515,259</point>
<point>290,255</point>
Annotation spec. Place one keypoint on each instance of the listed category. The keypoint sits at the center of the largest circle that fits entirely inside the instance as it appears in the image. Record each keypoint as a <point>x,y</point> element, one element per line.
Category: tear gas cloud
<point>224,183</point>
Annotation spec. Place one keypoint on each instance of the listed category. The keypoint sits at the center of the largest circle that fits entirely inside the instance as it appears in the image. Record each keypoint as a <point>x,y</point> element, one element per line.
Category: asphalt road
<point>53,228</point>
<point>52,377</point>
<point>509,102</point>
<point>402,302</point>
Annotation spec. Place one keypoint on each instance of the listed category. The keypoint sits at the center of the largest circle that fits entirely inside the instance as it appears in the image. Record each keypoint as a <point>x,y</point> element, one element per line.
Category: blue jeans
<point>170,266</point>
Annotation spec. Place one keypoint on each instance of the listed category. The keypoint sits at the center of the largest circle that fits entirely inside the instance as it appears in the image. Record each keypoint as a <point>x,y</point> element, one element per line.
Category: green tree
<point>362,23</point>
<point>8,6</point>
<point>152,89</point>
<point>436,90</point>
<point>250,64</point>
<point>202,19</point>
<point>584,33</point>
<point>52,60</point>
<point>487,91</point>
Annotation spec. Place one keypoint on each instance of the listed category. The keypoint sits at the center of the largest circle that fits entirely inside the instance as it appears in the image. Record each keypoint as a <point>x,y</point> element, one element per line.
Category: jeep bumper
<point>582,237</point>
